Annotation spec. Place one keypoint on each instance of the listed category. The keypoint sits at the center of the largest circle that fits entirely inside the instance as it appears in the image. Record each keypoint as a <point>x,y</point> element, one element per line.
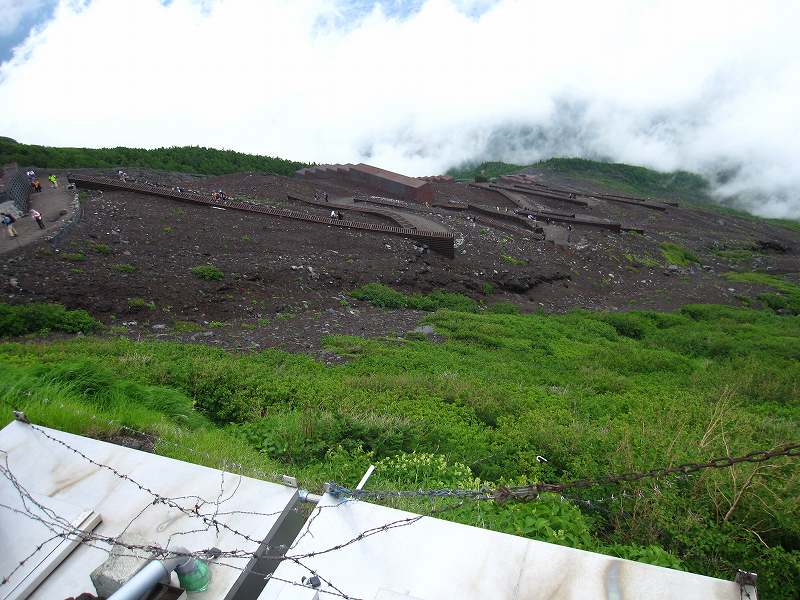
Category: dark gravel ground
<point>285,283</point>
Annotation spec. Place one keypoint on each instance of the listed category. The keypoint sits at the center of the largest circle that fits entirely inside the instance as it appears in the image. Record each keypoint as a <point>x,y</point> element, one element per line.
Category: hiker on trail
<point>316,196</point>
<point>339,215</point>
<point>326,196</point>
<point>8,221</point>
<point>333,214</point>
<point>31,175</point>
<point>37,216</point>
<point>37,185</point>
<point>53,181</point>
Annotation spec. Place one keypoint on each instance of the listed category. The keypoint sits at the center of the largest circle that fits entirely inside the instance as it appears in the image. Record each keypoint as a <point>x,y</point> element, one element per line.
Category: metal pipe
<point>306,496</point>
<point>147,578</point>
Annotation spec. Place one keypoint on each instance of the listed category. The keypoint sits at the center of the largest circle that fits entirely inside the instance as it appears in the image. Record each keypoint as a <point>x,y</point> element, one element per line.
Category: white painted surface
<point>18,542</point>
<point>52,471</point>
<point>433,559</point>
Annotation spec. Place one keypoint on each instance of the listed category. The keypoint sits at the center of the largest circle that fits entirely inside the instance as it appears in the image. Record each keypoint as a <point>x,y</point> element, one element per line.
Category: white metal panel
<point>433,559</point>
<point>18,543</point>
<point>51,470</point>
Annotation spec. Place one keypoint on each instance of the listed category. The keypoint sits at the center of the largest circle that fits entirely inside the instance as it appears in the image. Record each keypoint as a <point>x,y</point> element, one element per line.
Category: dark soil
<point>285,283</point>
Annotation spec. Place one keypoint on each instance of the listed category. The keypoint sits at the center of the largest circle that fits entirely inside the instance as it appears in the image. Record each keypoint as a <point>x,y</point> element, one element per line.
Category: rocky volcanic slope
<point>285,283</point>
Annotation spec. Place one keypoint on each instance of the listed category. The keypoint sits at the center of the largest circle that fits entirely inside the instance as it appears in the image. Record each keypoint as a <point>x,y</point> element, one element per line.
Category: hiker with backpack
<point>8,221</point>
<point>37,216</point>
<point>53,181</point>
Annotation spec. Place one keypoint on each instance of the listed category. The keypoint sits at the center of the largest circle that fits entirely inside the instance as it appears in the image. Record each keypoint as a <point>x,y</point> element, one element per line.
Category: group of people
<point>8,220</point>
<point>219,195</point>
<point>36,184</point>
<point>336,214</point>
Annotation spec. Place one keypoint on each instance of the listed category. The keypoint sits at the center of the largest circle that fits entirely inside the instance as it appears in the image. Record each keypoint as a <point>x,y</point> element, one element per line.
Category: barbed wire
<point>222,462</point>
<point>533,491</point>
<point>61,528</point>
<point>528,492</point>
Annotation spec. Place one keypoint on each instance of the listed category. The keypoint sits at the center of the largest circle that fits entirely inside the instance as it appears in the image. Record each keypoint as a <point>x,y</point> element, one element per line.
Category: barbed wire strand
<point>521,493</point>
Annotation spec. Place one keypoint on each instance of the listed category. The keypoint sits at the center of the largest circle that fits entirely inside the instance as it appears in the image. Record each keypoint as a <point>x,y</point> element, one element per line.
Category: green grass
<point>678,255</point>
<point>785,298</point>
<point>643,261</point>
<point>594,393</point>
<point>513,261</point>
<point>124,268</point>
<point>167,229</point>
<point>383,296</point>
<point>207,273</point>
<point>187,159</point>
<point>736,254</point>
<point>73,256</point>
<point>217,324</point>
<point>186,327</point>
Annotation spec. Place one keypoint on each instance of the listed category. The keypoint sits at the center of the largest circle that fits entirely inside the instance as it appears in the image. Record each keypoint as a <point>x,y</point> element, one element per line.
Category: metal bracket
<point>289,480</point>
<point>747,584</point>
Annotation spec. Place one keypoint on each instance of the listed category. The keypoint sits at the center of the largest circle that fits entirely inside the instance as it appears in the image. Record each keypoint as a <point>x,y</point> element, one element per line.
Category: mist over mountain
<point>422,86</point>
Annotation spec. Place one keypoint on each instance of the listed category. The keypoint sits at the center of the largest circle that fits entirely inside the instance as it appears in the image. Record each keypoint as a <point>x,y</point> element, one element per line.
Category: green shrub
<point>217,324</point>
<point>488,289</point>
<point>383,296</point>
<point>124,268</point>
<point>103,249</point>
<point>21,319</point>
<point>208,272</point>
<point>140,304</point>
<point>678,255</point>
<point>380,295</point>
<point>73,256</point>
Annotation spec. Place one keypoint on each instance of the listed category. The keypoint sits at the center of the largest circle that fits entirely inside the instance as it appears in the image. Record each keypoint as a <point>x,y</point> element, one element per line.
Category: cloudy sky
<point>420,85</point>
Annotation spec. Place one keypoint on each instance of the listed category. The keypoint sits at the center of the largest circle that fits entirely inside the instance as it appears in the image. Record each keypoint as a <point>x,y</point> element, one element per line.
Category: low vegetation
<point>383,296</point>
<point>593,393</point>
<point>676,254</point>
<point>208,272</point>
<point>786,296</point>
<point>629,179</point>
<point>103,249</point>
<point>140,304</point>
<point>21,319</point>
<point>186,159</point>
<point>124,268</point>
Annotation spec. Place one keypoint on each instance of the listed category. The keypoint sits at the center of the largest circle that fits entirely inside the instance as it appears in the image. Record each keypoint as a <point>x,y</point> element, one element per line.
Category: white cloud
<point>699,86</point>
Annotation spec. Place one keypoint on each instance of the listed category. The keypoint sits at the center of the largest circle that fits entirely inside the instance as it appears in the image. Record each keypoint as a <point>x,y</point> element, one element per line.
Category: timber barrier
<point>442,243</point>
